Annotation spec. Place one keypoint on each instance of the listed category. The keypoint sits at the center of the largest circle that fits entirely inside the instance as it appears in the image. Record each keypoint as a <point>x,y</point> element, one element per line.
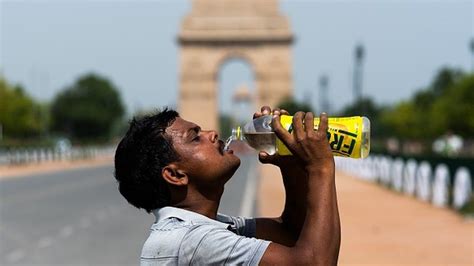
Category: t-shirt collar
<point>185,215</point>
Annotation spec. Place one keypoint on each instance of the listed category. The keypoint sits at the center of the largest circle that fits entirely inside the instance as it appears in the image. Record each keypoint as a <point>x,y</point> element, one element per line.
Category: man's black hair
<point>140,158</point>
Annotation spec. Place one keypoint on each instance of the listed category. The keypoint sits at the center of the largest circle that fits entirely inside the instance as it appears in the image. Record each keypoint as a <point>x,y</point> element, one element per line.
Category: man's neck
<point>204,205</point>
<point>203,208</point>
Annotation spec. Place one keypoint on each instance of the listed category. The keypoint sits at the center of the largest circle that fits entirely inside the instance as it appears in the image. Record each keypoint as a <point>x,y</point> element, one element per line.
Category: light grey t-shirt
<point>181,237</point>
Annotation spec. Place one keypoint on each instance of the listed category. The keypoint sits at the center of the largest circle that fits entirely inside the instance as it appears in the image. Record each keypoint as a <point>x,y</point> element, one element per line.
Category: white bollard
<point>365,168</point>
<point>49,155</point>
<point>44,155</point>
<point>16,157</point>
<point>37,156</point>
<point>441,185</point>
<point>30,156</point>
<point>462,190</point>
<point>11,157</point>
<point>409,177</point>
<point>3,158</point>
<point>385,170</point>
<point>376,168</point>
<point>396,174</point>
<point>423,181</point>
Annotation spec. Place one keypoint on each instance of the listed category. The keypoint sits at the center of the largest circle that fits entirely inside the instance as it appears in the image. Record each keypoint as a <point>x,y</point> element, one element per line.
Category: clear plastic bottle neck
<point>237,133</point>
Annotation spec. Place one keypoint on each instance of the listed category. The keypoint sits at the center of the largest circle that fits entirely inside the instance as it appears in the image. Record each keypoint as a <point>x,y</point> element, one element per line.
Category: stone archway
<point>216,31</point>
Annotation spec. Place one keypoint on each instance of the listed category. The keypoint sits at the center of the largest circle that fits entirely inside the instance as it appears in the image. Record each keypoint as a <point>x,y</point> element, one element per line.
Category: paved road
<point>78,217</point>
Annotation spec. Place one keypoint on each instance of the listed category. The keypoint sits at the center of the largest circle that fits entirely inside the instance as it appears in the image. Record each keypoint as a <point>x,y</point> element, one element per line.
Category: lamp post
<point>358,60</point>
<point>359,54</point>
<point>323,94</point>
<point>471,45</point>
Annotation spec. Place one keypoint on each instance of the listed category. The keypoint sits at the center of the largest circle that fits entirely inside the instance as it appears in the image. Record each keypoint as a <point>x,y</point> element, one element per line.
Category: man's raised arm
<point>286,228</point>
<point>319,240</point>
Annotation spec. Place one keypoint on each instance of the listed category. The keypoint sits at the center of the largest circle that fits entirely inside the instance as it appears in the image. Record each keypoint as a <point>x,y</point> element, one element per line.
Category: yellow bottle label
<point>344,135</point>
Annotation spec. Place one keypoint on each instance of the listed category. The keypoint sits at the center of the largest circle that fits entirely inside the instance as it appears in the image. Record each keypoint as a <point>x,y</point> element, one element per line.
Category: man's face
<point>202,153</point>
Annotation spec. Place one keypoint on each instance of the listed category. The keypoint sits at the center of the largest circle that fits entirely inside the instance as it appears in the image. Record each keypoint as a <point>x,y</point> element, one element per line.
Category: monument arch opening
<point>236,93</point>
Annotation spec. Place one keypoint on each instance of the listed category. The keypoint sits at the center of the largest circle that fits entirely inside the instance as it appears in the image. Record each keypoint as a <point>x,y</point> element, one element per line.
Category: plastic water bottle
<point>347,136</point>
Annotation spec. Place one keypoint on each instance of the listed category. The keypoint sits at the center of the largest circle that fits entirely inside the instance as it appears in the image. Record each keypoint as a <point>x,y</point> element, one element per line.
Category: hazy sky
<point>45,45</point>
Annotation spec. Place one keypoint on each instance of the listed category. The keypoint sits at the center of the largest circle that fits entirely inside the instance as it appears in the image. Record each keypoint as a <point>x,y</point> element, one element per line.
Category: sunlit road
<point>79,217</point>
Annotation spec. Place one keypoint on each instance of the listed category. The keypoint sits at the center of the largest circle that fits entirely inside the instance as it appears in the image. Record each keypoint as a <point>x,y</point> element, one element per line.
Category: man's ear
<point>173,175</point>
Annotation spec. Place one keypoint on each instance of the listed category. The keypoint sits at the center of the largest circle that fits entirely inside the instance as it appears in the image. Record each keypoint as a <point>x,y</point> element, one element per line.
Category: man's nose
<point>213,136</point>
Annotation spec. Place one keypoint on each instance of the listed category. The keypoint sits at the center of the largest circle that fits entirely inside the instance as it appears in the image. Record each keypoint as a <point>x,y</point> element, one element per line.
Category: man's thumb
<point>266,158</point>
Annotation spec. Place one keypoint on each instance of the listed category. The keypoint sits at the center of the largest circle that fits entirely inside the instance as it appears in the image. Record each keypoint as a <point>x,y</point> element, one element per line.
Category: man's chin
<point>234,163</point>
<point>229,155</point>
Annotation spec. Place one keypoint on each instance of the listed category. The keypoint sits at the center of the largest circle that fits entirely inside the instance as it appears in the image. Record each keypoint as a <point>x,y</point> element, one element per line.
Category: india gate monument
<point>219,30</point>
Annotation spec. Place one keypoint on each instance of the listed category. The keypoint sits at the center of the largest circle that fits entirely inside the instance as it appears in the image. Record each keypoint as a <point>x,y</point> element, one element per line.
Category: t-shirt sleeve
<point>206,244</point>
<point>244,226</point>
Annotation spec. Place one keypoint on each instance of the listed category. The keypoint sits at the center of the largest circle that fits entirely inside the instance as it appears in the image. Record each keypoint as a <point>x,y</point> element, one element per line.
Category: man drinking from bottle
<point>174,169</point>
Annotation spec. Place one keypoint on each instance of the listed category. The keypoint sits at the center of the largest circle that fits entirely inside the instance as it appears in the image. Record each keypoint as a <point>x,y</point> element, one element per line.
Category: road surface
<point>79,217</point>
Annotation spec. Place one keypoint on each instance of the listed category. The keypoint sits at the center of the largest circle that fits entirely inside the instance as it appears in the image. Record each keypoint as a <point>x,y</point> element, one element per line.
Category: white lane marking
<point>66,231</point>
<point>248,200</point>
<point>45,242</point>
<point>85,222</point>
<point>15,255</point>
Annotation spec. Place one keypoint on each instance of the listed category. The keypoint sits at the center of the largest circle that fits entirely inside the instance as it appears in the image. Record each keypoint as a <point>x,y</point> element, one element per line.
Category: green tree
<point>444,79</point>
<point>423,99</point>
<point>367,107</point>
<point>88,110</point>
<point>454,111</point>
<point>403,121</point>
<point>446,104</point>
<point>20,115</point>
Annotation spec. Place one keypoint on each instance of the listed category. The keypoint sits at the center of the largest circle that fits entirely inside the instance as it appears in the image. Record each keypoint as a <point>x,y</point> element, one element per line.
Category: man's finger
<point>257,114</point>
<point>280,132</point>
<point>298,125</point>
<point>323,123</point>
<point>309,123</point>
<point>266,110</point>
<point>265,158</point>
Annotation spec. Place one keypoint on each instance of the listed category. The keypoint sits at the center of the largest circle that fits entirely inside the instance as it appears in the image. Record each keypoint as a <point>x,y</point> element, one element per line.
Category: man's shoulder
<point>166,237</point>
<point>174,230</point>
<point>170,224</point>
<point>184,237</point>
<point>170,232</point>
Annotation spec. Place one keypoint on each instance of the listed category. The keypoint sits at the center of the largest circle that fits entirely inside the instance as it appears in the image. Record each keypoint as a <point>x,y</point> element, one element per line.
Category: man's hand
<point>309,146</point>
<point>288,164</point>
<point>286,228</point>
